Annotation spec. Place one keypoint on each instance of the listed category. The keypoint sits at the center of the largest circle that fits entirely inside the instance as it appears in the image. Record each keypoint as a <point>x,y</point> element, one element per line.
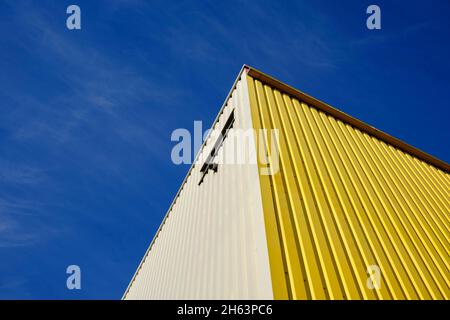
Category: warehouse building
<point>334,209</point>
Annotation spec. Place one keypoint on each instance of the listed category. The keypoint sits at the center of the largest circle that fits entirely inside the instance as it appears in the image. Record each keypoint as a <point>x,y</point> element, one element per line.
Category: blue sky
<point>86,116</point>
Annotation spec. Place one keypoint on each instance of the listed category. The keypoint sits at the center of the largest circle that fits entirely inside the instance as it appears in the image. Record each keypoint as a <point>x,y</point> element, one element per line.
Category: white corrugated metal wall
<point>212,244</point>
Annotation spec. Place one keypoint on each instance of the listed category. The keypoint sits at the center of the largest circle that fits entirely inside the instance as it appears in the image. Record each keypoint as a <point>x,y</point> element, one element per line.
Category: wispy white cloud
<point>15,233</point>
<point>97,84</point>
<point>255,31</point>
<point>14,173</point>
<point>103,103</point>
<point>375,38</point>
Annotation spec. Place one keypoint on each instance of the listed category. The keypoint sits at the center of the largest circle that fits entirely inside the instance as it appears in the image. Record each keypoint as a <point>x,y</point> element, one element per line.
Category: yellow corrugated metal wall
<point>343,201</point>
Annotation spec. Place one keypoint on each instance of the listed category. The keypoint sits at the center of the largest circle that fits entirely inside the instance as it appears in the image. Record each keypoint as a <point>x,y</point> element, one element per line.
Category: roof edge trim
<point>322,106</point>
